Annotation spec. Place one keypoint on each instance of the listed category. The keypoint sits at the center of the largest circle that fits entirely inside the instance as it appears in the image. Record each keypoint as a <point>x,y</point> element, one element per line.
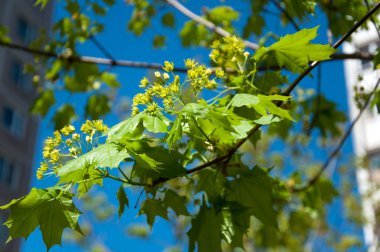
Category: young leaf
<point>43,102</point>
<point>146,162</point>
<point>263,104</point>
<point>236,221</point>
<point>64,116</point>
<point>106,155</point>
<point>254,190</point>
<point>294,51</point>
<point>51,209</point>
<point>206,231</point>
<point>152,208</point>
<point>211,182</point>
<point>97,105</point>
<point>155,124</point>
<point>175,202</point>
<point>123,200</point>
<point>130,128</point>
<point>168,20</point>
<point>175,133</point>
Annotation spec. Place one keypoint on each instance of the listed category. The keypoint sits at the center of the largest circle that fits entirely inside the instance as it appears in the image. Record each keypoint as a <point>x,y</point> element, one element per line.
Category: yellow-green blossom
<point>88,139</point>
<point>87,127</point>
<point>152,107</point>
<point>168,66</point>
<point>57,138</point>
<point>76,137</point>
<point>166,76</point>
<point>144,82</point>
<point>135,111</point>
<point>211,84</point>
<point>219,73</point>
<point>73,151</point>
<point>189,63</point>
<point>100,126</point>
<point>54,156</point>
<point>157,74</point>
<point>68,130</point>
<point>69,142</point>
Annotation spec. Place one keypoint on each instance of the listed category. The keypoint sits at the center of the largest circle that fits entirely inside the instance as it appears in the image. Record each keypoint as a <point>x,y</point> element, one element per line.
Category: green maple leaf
<point>236,221</point>
<point>175,133</point>
<point>51,209</point>
<point>152,208</point>
<point>211,182</point>
<point>175,202</point>
<point>146,162</point>
<point>86,167</point>
<point>130,128</point>
<point>156,124</point>
<point>254,191</point>
<point>123,200</point>
<point>206,230</point>
<point>134,126</point>
<point>263,104</point>
<point>154,162</point>
<point>294,51</point>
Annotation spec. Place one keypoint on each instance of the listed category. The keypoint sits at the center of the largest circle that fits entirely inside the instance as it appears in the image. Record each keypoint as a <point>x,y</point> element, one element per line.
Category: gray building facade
<point>18,129</point>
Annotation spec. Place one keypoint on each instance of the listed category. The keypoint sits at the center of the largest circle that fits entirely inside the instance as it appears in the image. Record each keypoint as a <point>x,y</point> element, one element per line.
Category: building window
<point>3,231</point>
<point>369,48</point>
<point>14,121</point>
<point>25,30</point>
<point>20,79</point>
<point>7,173</point>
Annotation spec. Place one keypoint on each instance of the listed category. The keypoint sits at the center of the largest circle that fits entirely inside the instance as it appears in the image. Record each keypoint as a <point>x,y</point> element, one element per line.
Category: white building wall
<point>366,133</point>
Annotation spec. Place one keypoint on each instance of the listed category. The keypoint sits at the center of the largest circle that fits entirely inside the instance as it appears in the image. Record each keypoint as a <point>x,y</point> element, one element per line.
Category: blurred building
<point>18,129</point>
<point>366,134</point>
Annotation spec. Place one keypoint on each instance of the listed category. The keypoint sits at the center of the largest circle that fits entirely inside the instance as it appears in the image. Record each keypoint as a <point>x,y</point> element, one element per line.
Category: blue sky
<point>123,45</point>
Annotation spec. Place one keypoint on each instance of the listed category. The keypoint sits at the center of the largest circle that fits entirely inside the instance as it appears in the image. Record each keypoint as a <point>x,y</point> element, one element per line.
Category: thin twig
<point>287,15</point>
<point>336,45</point>
<point>372,19</point>
<point>335,152</point>
<point>103,49</point>
<point>129,181</point>
<point>287,92</point>
<point>149,65</point>
<point>200,20</point>
<point>88,59</point>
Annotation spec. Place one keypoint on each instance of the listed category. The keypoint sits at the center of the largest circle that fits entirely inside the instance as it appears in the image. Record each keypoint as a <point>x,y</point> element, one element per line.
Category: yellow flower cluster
<point>167,91</point>
<point>66,143</point>
<point>228,52</point>
<point>160,88</point>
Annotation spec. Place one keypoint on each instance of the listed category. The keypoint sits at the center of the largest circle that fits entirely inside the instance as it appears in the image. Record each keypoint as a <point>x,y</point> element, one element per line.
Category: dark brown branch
<point>149,65</point>
<point>102,49</point>
<point>287,92</point>
<point>88,59</point>
<point>355,55</point>
<point>200,20</point>
<point>337,149</point>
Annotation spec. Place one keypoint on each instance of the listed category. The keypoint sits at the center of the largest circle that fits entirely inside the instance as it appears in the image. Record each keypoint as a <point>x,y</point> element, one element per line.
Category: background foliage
<point>220,147</point>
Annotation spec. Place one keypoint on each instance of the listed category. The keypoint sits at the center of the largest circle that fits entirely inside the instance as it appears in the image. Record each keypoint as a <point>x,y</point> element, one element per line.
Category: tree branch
<point>200,20</point>
<point>88,59</point>
<point>287,92</point>
<point>335,152</point>
<point>149,65</point>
